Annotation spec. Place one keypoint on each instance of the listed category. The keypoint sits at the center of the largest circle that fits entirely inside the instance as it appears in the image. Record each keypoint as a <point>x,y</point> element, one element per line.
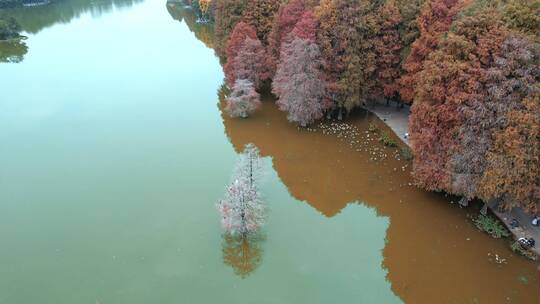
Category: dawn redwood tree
<point>242,210</point>
<point>484,32</point>
<point>227,14</point>
<point>329,43</point>
<point>513,161</point>
<point>447,82</point>
<point>306,28</point>
<point>284,22</point>
<point>346,51</point>
<point>249,63</point>
<point>298,82</point>
<point>435,20</point>
<point>260,14</point>
<point>523,15</point>
<point>235,43</point>
<point>387,46</point>
<point>474,122</point>
<point>408,30</point>
<point>243,99</point>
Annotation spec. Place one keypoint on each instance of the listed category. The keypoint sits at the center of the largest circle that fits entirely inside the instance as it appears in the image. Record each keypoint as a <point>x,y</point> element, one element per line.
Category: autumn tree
<point>243,99</point>
<point>348,59</point>
<point>234,45</point>
<point>249,63</point>
<point>475,115</point>
<point>387,46</point>
<point>227,14</point>
<point>260,14</point>
<point>452,118</point>
<point>242,210</point>
<point>408,29</point>
<point>306,28</point>
<point>513,161</point>
<point>435,20</point>
<point>298,82</point>
<point>447,81</point>
<point>482,30</point>
<point>284,22</point>
<point>523,15</point>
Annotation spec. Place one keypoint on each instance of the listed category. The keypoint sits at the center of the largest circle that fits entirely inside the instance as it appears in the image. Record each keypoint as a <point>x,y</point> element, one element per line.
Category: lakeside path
<point>398,120</point>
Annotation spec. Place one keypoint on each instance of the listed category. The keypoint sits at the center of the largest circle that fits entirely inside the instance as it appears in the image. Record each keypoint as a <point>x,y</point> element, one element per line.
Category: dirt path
<point>398,120</point>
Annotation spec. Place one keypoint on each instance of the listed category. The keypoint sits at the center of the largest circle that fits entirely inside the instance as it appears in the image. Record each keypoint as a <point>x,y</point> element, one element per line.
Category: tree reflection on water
<point>243,254</point>
<point>13,51</point>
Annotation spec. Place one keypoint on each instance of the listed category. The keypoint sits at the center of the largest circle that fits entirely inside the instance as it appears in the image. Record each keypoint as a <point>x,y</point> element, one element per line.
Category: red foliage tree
<point>348,62</point>
<point>387,46</point>
<point>435,19</point>
<point>227,14</point>
<point>306,28</point>
<point>239,34</point>
<point>284,22</point>
<point>249,63</point>
<point>512,171</point>
<point>447,82</point>
<point>485,33</point>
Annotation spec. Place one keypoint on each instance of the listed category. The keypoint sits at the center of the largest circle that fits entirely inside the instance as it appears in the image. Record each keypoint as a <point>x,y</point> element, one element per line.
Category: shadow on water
<point>35,19</point>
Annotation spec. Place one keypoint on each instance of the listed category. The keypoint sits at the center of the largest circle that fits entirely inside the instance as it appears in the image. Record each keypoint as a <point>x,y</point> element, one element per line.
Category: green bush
<point>386,140</point>
<point>517,248</point>
<point>406,153</point>
<point>491,225</point>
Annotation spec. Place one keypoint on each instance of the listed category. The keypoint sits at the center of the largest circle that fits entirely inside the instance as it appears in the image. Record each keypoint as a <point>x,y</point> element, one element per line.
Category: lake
<point>115,150</point>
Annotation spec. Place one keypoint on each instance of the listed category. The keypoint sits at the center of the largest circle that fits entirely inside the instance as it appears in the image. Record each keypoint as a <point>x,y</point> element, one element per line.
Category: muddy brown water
<point>433,253</point>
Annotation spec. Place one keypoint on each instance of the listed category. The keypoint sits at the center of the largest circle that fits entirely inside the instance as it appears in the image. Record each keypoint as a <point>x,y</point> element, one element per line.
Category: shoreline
<point>397,119</point>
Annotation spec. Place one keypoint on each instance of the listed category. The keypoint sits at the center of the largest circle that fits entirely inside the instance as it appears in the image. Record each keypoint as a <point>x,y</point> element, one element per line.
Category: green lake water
<point>113,154</point>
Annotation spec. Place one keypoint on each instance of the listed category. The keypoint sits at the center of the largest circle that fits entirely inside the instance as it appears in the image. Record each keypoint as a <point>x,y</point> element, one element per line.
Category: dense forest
<point>468,68</point>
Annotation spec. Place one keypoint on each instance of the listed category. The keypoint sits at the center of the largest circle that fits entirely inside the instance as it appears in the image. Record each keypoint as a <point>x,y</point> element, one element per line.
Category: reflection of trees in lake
<point>13,51</point>
<point>203,31</point>
<point>34,19</point>
<point>243,254</point>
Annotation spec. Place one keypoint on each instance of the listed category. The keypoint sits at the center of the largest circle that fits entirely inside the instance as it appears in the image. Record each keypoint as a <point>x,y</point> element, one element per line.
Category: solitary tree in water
<point>242,209</point>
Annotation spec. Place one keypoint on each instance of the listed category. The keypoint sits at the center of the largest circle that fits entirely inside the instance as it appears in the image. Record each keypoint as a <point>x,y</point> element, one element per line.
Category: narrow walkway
<point>398,120</point>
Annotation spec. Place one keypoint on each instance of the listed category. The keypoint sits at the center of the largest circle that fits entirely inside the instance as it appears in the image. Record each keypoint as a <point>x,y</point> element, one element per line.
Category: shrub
<point>407,154</point>
<point>491,225</point>
<point>386,140</point>
<point>373,128</point>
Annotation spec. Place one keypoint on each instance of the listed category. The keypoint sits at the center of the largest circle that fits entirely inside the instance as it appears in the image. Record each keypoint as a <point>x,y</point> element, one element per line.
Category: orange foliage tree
<point>435,19</point>
<point>387,46</point>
